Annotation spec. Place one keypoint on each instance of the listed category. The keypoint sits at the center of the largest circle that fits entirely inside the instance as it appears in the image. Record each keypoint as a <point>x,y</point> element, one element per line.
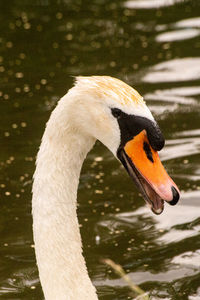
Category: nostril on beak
<point>176,196</point>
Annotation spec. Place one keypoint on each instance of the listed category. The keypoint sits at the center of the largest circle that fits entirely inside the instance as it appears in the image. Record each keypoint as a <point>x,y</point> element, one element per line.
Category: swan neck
<point>62,270</point>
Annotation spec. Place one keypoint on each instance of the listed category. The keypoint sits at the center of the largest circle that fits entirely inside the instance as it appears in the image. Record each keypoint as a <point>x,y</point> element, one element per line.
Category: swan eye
<point>116,112</point>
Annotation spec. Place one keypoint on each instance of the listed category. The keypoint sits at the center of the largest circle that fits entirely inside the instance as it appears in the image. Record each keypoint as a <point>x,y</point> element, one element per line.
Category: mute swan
<point>107,109</point>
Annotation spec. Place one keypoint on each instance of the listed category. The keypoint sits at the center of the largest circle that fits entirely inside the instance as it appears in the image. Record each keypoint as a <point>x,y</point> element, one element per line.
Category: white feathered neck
<point>81,116</point>
<point>58,246</point>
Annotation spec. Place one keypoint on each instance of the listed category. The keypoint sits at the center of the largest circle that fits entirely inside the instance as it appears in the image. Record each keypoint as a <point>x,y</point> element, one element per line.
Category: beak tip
<point>176,196</point>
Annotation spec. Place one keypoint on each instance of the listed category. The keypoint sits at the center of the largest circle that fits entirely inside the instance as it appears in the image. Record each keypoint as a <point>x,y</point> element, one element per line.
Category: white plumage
<point>81,116</point>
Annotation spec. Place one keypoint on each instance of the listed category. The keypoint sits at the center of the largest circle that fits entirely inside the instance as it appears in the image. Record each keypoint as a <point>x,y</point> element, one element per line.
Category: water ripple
<point>149,4</point>
<point>180,69</point>
<point>178,35</point>
<point>141,277</point>
<point>177,148</point>
<point>174,95</point>
<point>192,22</point>
<point>187,29</point>
<point>196,296</point>
<point>188,259</point>
<point>181,214</point>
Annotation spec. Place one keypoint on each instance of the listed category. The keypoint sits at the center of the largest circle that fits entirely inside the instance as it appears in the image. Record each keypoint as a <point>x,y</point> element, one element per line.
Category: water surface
<point>154,46</point>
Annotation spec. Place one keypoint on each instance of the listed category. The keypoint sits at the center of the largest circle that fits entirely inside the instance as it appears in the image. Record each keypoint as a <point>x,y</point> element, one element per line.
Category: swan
<point>95,108</point>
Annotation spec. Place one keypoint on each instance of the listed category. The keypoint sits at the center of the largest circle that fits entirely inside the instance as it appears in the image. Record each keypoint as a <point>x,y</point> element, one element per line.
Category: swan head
<point>114,113</point>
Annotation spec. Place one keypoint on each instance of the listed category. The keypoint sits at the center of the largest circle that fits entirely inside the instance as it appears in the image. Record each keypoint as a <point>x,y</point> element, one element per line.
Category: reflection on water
<point>175,96</point>
<point>152,45</point>
<point>177,35</point>
<point>146,4</point>
<point>187,29</point>
<point>181,147</point>
<point>180,69</point>
<point>193,22</point>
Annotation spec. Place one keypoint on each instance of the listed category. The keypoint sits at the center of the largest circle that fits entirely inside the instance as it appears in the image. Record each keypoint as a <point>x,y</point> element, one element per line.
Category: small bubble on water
<point>69,25</point>
<point>98,192</point>
<point>18,90</point>
<point>33,287</point>
<point>98,158</point>
<point>69,37</point>
<point>26,88</point>
<point>2,69</point>
<point>43,81</point>
<point>55,45</point>
<point>145,58</point>
<point>97,239</point>
<point>14,126</point>
<point>6,97</point>
<point>21,178</point>
<point>19,75</point>
<point>27,26</point>
<point>166,46</point>
<point>6,134</point>
<point>135,66</point>
<point>9,44</point>
<point>113,64</point>
<point>59,15</point>
<point>22,55</point>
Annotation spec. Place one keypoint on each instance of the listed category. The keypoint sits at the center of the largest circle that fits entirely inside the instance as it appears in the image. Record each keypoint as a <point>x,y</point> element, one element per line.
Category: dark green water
<point>156,49</point>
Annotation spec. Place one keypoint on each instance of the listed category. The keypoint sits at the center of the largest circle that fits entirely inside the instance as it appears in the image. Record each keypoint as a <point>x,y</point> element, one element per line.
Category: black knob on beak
<point>176,196</point>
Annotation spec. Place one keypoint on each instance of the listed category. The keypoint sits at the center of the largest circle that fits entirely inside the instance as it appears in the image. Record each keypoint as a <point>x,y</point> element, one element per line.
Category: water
<point>154,46</point>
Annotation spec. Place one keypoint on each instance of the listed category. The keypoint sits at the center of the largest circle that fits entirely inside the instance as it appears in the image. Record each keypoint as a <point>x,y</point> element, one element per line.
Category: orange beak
<point>151,177</point>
